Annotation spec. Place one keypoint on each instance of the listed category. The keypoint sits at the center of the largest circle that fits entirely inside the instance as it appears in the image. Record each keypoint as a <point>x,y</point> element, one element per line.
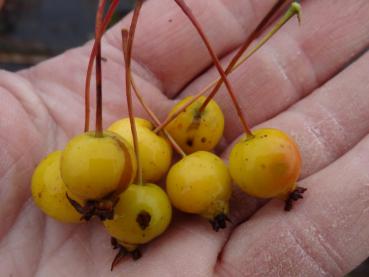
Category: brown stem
<point>175,114</point>
<point>216,61</point>
<point>155,118</point>
<point>143,103</point>
<point>293,10</point>
<point>127,39</point>
<point>243,48</point>
<point>152,115</point>
<point>105,23</point>
<point>99,15</point>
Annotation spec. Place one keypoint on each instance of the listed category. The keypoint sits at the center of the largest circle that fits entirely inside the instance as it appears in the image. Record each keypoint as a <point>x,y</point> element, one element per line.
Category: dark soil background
<point>34,30</point>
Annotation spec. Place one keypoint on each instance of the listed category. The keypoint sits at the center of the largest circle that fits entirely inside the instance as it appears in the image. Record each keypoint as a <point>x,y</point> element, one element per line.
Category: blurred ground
<point>34,30</point>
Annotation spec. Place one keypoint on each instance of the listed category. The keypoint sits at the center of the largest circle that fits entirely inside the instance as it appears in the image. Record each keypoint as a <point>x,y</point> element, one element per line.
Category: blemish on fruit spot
<point>143,219</point>
<point>189,142</point>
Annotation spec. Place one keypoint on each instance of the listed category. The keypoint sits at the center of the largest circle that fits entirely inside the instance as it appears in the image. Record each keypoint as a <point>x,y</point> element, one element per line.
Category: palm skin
<point>301,83</point>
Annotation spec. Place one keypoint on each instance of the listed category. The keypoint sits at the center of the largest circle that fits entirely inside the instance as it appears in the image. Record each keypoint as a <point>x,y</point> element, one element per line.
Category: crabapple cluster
<point>110,174</point>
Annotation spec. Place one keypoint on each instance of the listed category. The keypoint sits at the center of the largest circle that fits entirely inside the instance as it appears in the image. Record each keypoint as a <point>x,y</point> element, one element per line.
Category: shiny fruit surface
<point>155,151</point>
<point>94,167</point>
<point>200,183</point>
<point>142,213</point>
<point>194,131</point>
<point>267,165</point>
<point>49,190</point>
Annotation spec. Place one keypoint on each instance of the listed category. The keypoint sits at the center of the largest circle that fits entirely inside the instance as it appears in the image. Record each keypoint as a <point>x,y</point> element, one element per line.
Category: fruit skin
<point>267,165</point>
<point>194,134</point>
<point>139,199</point>
<point>200,183</point>
<point>155,151</point>
<point>49,190</point>
<point>94,167</point>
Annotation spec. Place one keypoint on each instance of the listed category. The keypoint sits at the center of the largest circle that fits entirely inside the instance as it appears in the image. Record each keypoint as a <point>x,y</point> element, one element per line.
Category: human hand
<point>293,83</point>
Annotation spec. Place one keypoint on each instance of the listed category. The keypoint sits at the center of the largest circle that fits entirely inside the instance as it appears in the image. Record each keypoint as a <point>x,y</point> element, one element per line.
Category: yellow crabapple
<point>200,184</point>
<point>266,165</point>
<point>49,191</point>
<point>143,213</point>
<point>155,151</point>
<point>94,167</point>
<point>195,131</point>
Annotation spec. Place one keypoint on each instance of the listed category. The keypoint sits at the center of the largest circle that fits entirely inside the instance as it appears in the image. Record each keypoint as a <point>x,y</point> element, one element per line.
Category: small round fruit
<point>194,131</point>
<point>94,167</point>
<point>267,165</point>
<point>200,184</point>
<point>142,213</point>
<point>49,190</point>
<point>155,151</point>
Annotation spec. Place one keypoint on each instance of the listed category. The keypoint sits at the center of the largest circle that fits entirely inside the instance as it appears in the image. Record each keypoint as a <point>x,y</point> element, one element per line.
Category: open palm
<point>311,82</point>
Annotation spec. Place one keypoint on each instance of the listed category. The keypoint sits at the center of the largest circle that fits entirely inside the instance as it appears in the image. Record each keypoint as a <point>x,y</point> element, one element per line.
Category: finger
<point>62,92</point>
<point>295,62</point>
<point>162,50</point>
<point>170,48</point>
<point>325,235</point>
<point>325,125</point>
